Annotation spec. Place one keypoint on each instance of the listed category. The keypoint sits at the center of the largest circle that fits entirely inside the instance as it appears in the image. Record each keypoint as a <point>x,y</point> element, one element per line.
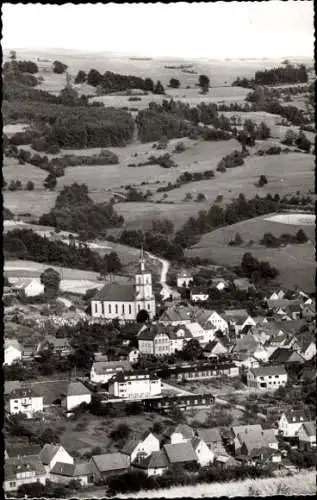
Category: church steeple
<point>142,260</point>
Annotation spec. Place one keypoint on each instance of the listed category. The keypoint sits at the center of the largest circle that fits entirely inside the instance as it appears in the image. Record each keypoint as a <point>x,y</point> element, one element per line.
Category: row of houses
<point>179,445</point>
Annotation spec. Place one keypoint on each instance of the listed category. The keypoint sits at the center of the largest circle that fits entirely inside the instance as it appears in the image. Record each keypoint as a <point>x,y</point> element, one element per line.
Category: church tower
<point>143,282</point>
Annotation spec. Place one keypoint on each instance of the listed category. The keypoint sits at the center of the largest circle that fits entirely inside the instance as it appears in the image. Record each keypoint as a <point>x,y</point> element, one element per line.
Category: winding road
<point>167,291</point>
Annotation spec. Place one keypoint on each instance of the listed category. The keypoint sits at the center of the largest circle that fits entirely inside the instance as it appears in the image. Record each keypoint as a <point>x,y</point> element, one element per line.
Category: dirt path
<point>167,291</point>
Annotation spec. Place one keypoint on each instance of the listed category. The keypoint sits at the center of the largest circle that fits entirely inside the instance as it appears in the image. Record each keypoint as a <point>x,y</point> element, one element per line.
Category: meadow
<point>296,263</point>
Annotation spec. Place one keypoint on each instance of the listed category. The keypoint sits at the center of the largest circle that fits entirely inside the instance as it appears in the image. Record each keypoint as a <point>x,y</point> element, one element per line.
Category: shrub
<point>29,186</point>
<point>122,431</point>
<point>179,147</point>
<point>262,181</point>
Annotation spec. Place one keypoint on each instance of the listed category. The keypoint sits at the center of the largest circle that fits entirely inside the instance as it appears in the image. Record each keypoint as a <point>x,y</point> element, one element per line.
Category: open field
<point>12,170</point>
<point>296,263</point>
<point>303,483</point>
<point>286,174</point>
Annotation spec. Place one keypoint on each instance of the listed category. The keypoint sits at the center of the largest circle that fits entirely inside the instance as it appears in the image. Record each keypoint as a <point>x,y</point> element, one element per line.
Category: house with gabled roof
<point>307,435</point>
<point>59,345</point>
<point>103,371</point>
<point>76,394</point>
<point>198,294</point>
<point>24,400</point>
<point>306,345</point>
<point>184,279</point>
<point>53,453</point>
<point>180,434</point>
<point>30,287</point>
<point>181,453</point>
<point>23,470</point>
<point>267,377</point>
<point>63,473</point>
<point>284,356</point>
<point>176,315</point>
<point>217,321</point>
<point>143,447</point>
<point>214,348</point>
<point>290,422</point>
<point>12,351</point>
<point>205,455</point>
<point>109,464</point>
<point>212,438</point>
<point>243,284</point>
<point>154,464</point>
<point>238,319</point>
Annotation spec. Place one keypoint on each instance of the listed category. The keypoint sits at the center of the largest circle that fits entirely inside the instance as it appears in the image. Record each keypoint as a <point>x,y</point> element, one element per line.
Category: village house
<point>290,422</point>
<point>60,346</point>
<point>143,447</point>
<point>285,356</point>
<point>154,464</point>
<point>64,473</point>
<point>219,284</point>
<point>133,356</point>
<point>156,340</point>
<point>197,294</point>
<point>20,471</point>
<point>246,360</point>
<point>205,456</point>
<point>217,321</point>
<point>306,346</point>
<point>279,294</point>
<point>76,394</point>
<point>307,435</point>
<point>24,400</point>
<point>21,450</point>
<point>197,331</point>
<point>181,453</point>
<point>215,349</point>
<point>126,301</point>
<point>238,319</point>
<point>51,454</point>
<point>212,438</point>
<point>183,279</point>
<point>110,464</point>
<point>182,433</point>
<point>29,287</point>
<point>308,312</point>
<point>135,386</point>
<point>176,315</point>
<point>267,377</point>
<point>102,371</point>
<point>248,345</point>
<point>12,351</point>
<point>254,439</point>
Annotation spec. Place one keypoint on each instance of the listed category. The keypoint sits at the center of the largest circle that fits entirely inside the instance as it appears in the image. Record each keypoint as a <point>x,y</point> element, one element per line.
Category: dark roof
<point>77,389</point>
<point>210,435</point>
<point>269,370</point>
<point>15,465</point>
<point>180,452</point>
<point>15,451</point>
<point>156,460</point>
<point>282,355</point>
<point>116,292</point>
<point>111,461</point>
<point>62,469</point>
<point>101,367</point>
<point>149,332</point>
<point>129,447</point>
<point>48,452</point>
<point>310,428</point>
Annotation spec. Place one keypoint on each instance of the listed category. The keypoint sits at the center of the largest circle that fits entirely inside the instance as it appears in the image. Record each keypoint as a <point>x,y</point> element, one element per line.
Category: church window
<point>116,306</point>
<point>122,308</point>
<point>149,306</point>
<point>130,309</point>
<point>139,307</point>
<point>109,307</point>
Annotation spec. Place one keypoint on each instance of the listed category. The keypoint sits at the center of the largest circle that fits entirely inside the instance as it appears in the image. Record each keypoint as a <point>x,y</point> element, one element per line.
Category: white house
<point>181,434</point>
<point>102,371</point>
<point>289,423</point>
<point>12,351</point>
<point>277,295</point>
<point>30,287</point>
<point>135,386</point>
<point>307,435</point>
<point>142,448</point>
<point>76,394</point>
<point>51,454</point>
<point>220,284</point>
<point>25,401</point>
<point>183,279</point>
<point>217,321</point>
<point>133,356</point>
<point>125,302</point>
<point>239,319</point>
<point>267,377</point>
<point>214,349</point>
<point>24,470</point>
<point>176,315</point>
<point>205,456</point>
<point>198,295</point>
<point>160,340</point>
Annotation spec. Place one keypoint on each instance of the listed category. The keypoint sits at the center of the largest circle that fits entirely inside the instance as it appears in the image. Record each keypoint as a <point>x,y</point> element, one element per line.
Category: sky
<point>203,30</point>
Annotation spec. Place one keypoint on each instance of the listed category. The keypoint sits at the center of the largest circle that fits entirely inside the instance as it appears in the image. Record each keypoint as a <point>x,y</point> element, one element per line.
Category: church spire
<point>142,260</point>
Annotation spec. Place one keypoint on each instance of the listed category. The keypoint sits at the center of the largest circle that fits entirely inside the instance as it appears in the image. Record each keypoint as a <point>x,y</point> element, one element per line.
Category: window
<point>116,307</point>
<point>109,308</point>
<point>130,309</point>
<point>12,484</point>
<point>149,306</point>
<point>122,308</point>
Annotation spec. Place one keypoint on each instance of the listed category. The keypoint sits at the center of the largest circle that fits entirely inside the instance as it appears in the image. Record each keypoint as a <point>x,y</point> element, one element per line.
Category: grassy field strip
<point>299,484</point>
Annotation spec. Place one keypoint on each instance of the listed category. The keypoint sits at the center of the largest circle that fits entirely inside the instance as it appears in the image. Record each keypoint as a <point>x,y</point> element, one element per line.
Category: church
<point>127,302</point>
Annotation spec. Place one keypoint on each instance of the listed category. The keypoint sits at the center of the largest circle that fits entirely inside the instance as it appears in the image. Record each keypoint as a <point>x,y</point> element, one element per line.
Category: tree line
<point>287,73</point>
